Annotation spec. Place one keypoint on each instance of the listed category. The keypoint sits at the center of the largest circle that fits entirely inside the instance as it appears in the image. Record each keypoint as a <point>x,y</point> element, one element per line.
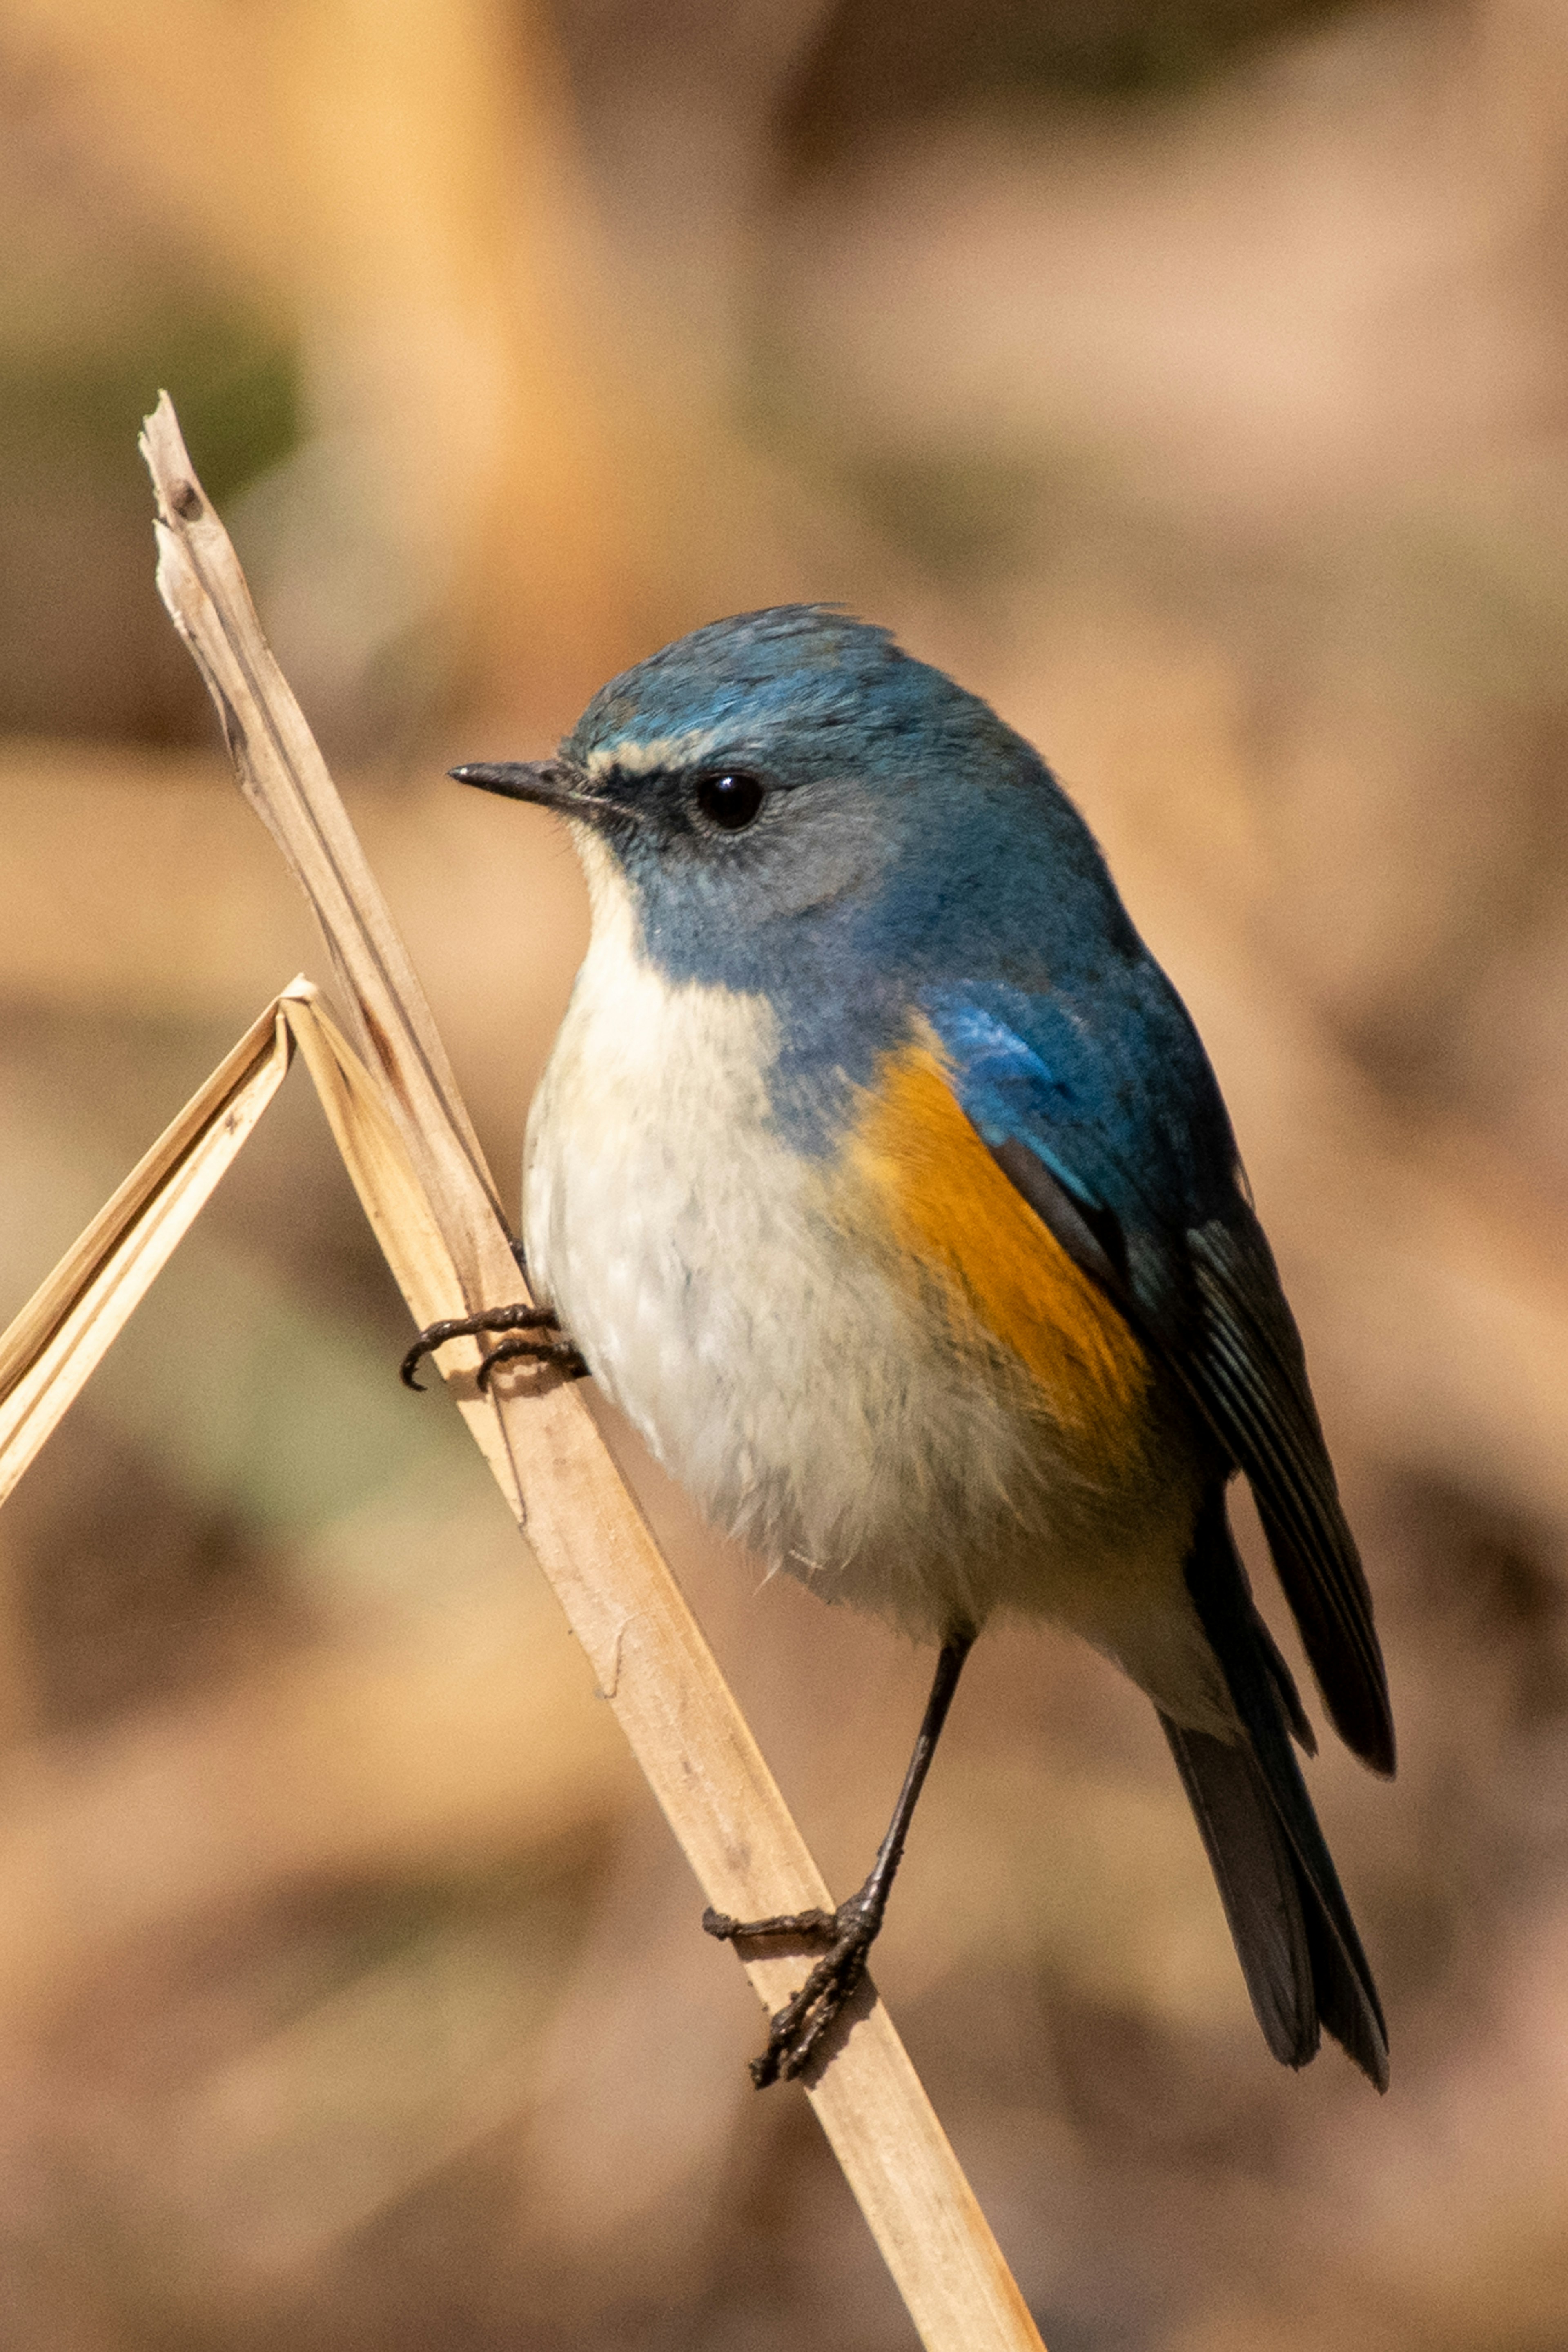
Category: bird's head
<point>777,767</point>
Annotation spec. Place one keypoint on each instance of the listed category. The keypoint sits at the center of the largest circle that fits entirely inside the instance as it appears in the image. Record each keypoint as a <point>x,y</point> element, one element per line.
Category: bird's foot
<point>844,1937</point>
<point>539,1349</point>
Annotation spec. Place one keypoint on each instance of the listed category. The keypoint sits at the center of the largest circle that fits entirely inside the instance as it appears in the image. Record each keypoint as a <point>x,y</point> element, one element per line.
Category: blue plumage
<point>833,894</point>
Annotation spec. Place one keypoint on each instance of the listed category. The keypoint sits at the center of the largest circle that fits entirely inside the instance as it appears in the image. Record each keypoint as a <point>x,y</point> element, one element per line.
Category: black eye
<point>730,802</point>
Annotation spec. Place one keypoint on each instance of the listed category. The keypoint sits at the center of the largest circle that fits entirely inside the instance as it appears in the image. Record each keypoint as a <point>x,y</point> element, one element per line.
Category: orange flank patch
<point>951,1213</point>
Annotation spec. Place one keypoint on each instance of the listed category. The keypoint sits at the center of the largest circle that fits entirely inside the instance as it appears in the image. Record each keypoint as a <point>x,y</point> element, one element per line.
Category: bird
<point>880,1176</point>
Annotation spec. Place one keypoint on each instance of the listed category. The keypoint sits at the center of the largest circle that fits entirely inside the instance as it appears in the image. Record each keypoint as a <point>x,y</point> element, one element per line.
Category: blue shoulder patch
<point>1111,1090</point>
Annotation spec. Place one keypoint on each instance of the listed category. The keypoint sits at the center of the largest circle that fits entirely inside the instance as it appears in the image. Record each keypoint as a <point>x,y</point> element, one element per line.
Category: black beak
<point>549,781</point>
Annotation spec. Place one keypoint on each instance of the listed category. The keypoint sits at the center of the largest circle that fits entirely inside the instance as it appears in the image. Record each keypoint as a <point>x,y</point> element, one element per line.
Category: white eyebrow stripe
<point>635,758</point>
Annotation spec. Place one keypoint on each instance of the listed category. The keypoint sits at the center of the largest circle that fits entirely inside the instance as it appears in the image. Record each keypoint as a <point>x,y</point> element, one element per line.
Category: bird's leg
<point>558,1351</point>
<point>846,1936</point>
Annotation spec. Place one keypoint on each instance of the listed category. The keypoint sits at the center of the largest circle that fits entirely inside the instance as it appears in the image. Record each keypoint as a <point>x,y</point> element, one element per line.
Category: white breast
<point>773,1369</point>
<point>810,1402</point>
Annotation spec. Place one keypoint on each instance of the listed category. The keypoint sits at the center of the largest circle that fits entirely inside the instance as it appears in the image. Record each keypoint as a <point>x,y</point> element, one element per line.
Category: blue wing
<point>1101,1107</point>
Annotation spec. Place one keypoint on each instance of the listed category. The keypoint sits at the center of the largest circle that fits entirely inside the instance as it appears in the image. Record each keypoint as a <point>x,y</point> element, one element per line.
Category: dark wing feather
<point>1248,1378</point>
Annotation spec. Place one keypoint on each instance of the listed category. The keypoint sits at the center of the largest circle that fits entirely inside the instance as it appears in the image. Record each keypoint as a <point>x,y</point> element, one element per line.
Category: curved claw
<point>561,1353</point>
<point>468,1327</point>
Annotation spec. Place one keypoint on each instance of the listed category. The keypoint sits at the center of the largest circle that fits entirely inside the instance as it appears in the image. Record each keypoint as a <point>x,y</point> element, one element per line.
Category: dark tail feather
<point>1294,1935</point>
<point>1289,1944</point>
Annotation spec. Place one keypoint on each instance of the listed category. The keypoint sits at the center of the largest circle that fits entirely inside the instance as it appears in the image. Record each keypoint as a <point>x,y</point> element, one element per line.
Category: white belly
<point>801,1392</point>
<point>782,1378</point>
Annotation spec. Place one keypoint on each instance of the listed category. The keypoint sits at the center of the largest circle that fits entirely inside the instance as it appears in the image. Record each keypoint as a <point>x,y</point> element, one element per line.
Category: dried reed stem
<point>62,1334</point>
<point>623,1605</point>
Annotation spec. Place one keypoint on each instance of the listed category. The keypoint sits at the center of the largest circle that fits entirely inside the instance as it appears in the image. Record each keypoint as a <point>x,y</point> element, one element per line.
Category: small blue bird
<point>880,1176</point>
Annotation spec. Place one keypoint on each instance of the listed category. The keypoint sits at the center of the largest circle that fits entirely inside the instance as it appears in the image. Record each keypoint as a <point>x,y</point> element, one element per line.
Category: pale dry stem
<point>414,1157</point>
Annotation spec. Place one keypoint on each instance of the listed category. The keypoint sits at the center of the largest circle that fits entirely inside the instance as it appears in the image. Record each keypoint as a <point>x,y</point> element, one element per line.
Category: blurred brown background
<point>1187,375</point>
